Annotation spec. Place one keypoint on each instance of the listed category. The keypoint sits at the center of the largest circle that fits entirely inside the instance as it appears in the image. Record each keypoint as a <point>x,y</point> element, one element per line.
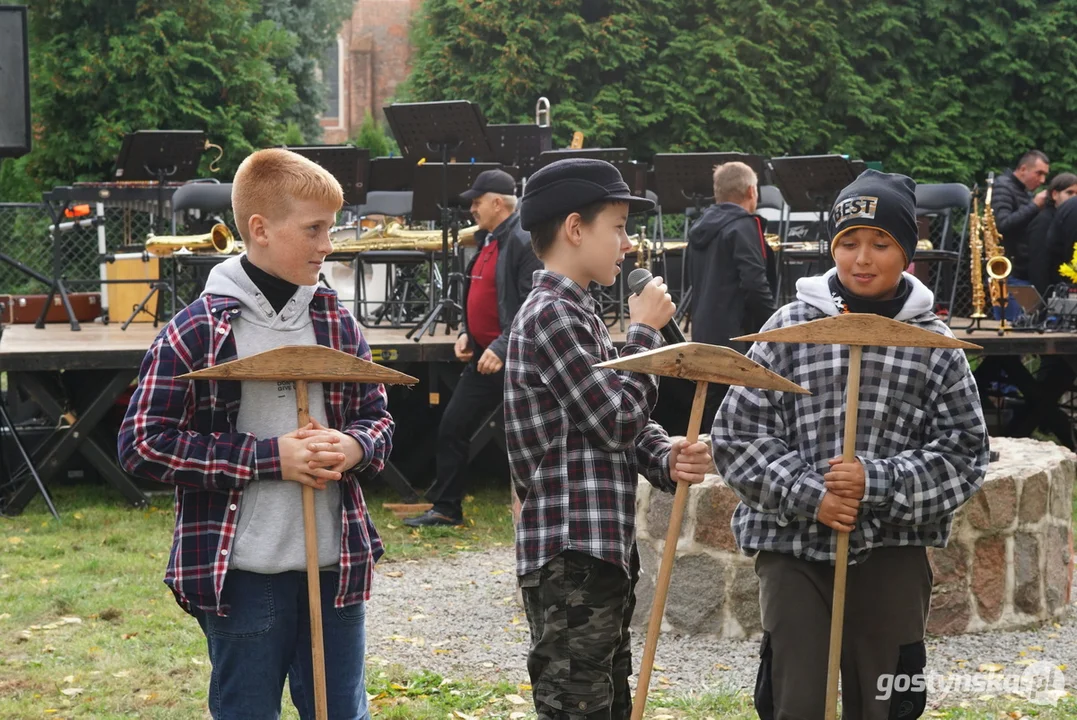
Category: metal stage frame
<point>103,361</point>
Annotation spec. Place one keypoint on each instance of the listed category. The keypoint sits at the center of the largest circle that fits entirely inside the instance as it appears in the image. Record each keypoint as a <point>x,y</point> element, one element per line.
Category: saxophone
<point>976,247</point>
<point>999,266</point>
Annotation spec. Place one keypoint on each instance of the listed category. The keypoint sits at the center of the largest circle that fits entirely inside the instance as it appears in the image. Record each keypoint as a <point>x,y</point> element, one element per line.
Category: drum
<point>124,297</point>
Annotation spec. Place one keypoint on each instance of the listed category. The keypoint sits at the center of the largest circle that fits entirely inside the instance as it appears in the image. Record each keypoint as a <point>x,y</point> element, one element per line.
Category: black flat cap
<point>568,185</point>
<point>491,181</point>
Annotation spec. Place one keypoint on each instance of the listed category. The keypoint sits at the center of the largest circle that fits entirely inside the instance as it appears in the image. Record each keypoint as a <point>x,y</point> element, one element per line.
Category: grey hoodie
<point>269,532</point>
<point>815,291</point>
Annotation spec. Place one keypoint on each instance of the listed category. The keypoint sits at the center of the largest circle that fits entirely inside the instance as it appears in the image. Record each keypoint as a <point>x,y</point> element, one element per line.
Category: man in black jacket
<point>497,281</point>
<point>732,290</point>
<point>1015,207</point>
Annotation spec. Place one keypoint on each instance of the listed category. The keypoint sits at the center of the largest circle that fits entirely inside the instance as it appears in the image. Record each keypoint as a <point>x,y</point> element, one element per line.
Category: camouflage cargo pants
<point>579,609</point>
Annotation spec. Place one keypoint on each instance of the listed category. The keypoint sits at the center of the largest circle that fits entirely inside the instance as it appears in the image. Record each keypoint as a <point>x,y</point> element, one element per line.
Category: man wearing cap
<point>496,283</point>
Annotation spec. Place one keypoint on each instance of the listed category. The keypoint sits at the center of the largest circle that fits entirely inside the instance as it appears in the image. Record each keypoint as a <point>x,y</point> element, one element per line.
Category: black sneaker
<point>434,518</point>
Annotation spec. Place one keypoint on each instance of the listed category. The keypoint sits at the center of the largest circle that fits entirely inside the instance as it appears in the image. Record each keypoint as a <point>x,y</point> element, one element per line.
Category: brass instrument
<point>976,247</point>
<point>394,236</point>
<point>542,112</point>
<point>646,248</point>
<point>998,265</point>
<point>217,241</point>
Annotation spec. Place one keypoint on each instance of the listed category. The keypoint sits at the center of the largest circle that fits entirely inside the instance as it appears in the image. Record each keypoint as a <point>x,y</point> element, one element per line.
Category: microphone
<point>637,280</point>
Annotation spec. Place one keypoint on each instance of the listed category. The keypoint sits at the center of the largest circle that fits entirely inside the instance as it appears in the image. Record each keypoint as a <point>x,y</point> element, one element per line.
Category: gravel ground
<point>458,617</point>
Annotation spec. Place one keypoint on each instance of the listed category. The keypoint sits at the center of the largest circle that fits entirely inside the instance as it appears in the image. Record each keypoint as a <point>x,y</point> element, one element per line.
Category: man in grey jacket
<point>497,281</point>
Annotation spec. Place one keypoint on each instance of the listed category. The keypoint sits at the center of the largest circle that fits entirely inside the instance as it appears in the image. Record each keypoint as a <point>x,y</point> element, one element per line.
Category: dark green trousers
<point>579,609</point>
<point>886,606</point>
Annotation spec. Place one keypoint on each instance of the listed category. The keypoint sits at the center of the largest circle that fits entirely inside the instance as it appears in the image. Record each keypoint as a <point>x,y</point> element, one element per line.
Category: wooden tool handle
<point>669,552</point>
<point>314,590</point>
<point>841,557</point>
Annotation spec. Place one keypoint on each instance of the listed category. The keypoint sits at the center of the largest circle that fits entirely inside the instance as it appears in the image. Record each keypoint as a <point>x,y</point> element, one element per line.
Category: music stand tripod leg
<point>6,419</point>
<point>56,285</point>
<point>141,307</point>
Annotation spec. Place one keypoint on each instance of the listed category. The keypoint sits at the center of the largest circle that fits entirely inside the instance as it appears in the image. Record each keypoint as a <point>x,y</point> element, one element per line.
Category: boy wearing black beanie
<point>923,452</point>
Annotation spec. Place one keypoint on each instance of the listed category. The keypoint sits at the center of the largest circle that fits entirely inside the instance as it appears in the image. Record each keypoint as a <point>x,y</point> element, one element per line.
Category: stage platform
<point>78,377</point>
<point>107,347</point>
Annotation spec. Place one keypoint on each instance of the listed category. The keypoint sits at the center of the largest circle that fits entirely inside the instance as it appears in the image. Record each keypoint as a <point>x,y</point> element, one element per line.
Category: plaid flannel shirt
<point>920,436</point>
<point>184,433</point>
<point>578,436</point>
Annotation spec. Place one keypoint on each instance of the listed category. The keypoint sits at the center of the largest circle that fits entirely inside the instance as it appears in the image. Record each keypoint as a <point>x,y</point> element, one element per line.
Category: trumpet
<point>219,240</point>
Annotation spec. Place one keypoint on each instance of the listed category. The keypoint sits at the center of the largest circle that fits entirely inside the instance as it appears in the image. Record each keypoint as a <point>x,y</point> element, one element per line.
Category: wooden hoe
<point>854,330</point>
<point>303,364</point>
<point>705,364</point>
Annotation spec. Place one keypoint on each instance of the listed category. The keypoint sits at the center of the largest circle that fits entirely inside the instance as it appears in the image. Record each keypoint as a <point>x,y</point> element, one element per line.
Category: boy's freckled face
<point>869,263</point>
<point>295,243</point>
<point>605,243</point>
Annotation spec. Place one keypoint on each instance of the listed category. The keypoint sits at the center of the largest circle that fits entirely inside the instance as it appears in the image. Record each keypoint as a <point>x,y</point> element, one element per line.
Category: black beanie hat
<point>883,201</point>
<point>568,185</point>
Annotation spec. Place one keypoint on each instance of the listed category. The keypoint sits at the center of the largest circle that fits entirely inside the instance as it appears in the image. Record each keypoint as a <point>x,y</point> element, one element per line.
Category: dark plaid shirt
<point>578,436</point>
<point>184,433</point>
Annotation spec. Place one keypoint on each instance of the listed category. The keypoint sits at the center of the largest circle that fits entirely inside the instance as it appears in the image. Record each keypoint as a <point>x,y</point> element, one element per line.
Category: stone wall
<point>1008,564</point>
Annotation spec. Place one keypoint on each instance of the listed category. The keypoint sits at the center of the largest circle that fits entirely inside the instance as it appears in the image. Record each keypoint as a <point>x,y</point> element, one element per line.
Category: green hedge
<point>943,91</point>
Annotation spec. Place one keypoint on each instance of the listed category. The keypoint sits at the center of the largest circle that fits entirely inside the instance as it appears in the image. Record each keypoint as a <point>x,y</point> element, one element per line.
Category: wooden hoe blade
<point>705,364</point>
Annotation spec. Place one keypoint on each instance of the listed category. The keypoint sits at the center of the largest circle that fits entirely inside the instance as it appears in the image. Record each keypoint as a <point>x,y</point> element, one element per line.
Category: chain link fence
<point>86,255</point>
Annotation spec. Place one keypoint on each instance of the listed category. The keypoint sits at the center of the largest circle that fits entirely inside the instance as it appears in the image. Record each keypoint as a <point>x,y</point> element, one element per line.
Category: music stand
<point>686,180</point>
<point>520,145</point>
<point>159,155</point>
<point>449,129</point>
<point>390,174</point>
<point>348,164</point>
<point>811,183</point>
<point>427,199</point>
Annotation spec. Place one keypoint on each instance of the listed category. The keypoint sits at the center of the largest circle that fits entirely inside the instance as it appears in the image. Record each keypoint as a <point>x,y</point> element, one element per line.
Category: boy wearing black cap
<point>578,437</point>
<point>923,451</point>
<point>496,282</point>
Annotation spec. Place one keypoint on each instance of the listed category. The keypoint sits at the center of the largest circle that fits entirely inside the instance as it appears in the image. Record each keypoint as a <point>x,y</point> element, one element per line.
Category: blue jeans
<point>266,637</point>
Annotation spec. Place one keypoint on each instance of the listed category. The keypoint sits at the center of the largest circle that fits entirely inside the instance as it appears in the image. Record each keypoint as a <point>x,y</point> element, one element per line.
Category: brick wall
<point>376,58</point>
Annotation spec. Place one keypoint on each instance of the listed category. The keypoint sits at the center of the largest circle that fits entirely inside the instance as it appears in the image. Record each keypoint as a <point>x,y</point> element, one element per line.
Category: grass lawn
<point>88,630</point>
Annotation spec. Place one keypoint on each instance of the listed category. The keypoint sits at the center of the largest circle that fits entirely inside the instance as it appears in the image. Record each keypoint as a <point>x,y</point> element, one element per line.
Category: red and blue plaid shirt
<point>578,436</point>
<point>183,433</point>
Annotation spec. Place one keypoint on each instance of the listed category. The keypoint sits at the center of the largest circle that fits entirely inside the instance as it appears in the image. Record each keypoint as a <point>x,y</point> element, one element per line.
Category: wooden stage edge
<point>98,346</point>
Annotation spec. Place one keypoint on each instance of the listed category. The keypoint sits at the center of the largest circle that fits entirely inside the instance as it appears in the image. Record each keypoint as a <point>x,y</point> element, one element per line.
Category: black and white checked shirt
<point>920,436</point>
<point>578,436</point>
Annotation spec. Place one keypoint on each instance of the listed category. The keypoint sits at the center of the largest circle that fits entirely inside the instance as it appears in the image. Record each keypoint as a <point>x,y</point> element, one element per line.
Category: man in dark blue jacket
<point>732,289</point>
<point>497,281</point>
<point>1015,208</point>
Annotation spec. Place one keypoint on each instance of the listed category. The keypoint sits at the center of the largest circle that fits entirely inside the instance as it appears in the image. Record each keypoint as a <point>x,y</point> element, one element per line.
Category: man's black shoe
<point>433,518</point>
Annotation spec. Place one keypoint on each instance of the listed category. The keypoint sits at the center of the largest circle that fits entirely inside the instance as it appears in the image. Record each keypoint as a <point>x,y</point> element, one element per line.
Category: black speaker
<point>14,82</point>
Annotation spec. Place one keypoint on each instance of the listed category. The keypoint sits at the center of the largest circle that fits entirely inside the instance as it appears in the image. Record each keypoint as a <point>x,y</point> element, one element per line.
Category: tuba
<point>218,240</point>
<point>542,112</point>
